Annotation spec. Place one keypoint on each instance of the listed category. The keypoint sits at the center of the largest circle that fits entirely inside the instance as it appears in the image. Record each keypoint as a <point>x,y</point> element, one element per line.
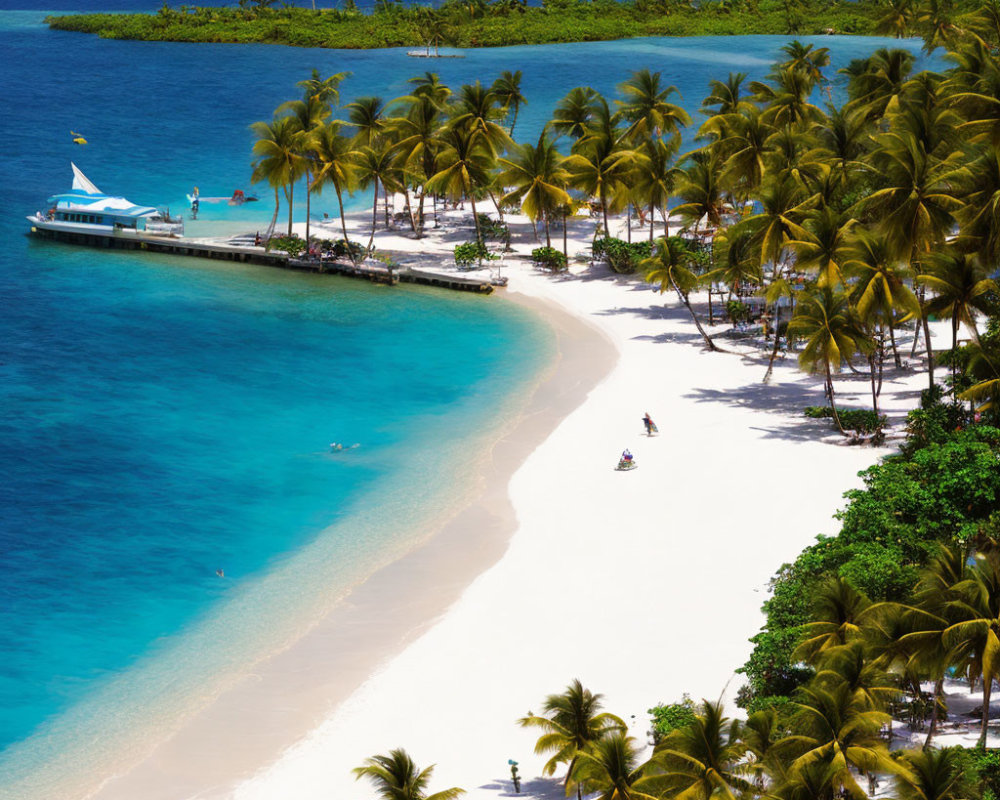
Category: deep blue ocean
<point>161,418</point>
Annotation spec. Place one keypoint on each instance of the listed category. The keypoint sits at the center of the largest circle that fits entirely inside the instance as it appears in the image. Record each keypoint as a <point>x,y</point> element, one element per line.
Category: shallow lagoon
<point>163,417</point>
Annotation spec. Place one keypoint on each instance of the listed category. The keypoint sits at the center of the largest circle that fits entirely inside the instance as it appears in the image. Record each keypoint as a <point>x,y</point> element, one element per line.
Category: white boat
<point>85,209</point>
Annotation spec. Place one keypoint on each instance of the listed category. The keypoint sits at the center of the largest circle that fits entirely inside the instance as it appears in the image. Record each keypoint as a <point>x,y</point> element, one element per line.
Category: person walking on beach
<point>650,426</point>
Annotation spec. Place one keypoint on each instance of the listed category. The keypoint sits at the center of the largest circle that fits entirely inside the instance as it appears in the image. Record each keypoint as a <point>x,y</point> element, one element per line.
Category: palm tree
<point>829,325</point>
<point>655,177</point>
<point>429,86</point>
<point>476,110</point>
<point>961,287</point>
<point>874,83</point>
<point>376,164</point>
<point>670,266</point>
<point>396,777</point>
<point>278,159</point>
<point>309,113</point>
<point>916,209</point>
<point>929,654</point>
<point>572,722</point>
<point>610,768</point>
<point>699,187</point>
<point>599,167</point>
<point>783,206</point>
<point>646,109</point>
<point>336,166</point>
<point>743,150</point>
<point>879,293</point>
<point>825,250</point>
<point>323,90</point>
<point>933,775</point>
<point>573,114</point>
<point>897,19</point>
<point>507,89</point>
<point>837,611</point>
<point>700,760</point>
<point>807,59</point>
<point>536,179</point>
<point>463,167</point>
<point>830,727</point>
<point>415,134</point>
<point>975,603</point>
<point>366,116</point>
<point>738,264</point>
<point>761,735</point>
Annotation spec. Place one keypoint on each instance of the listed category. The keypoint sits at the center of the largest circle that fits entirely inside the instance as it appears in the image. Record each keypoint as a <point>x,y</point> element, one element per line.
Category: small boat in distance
<point>85,209</point>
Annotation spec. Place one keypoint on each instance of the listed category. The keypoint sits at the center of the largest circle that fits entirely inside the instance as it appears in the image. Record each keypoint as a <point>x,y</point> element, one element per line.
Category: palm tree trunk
<point>652,221</point>
<point>565,246</point>
<point>343,225</point>
<point>954,345</point>
<point>774,350</point>
<point>291,195</point>
<point>895,350</point>
<point>514,121</point>
<point>419,231</point>
<point>938,689</point>
<point>871,370</point>
<point>548,241</point>
<point>604,208</point>
<point>371,238</point>
<point>628,221</point>
<point>475,218</point>
<point>930,351</point>
<point>274,219</point>
<point>833,405</point>
<point>987,691</point>
<point>409,209</point>
<point>687,304</point>
<point>496,205</point>
<point>308,198</point>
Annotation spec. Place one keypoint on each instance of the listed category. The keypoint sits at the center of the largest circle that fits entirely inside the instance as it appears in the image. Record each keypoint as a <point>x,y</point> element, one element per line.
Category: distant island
<point>481,23</point>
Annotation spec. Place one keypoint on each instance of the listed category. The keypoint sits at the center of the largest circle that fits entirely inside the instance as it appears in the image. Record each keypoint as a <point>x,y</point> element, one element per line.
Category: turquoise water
<point>161,418</point>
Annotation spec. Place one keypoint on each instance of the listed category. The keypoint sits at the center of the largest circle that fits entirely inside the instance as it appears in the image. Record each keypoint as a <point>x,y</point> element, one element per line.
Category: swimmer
<point>336,447</point>
<point>221,573</point>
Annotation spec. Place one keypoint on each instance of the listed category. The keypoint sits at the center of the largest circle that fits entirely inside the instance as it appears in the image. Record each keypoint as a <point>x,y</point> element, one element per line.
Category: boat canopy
<point>85,196</point>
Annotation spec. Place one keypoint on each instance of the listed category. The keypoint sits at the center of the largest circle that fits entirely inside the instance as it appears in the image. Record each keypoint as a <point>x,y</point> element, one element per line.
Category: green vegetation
<point>549,258</point>
<point>852,226</point>
<point>478,23</point>
<point>669,717</point>
<point>470,254</point>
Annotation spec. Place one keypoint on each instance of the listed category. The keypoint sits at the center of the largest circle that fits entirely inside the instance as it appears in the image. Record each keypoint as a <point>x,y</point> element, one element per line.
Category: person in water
<point>220,572</point>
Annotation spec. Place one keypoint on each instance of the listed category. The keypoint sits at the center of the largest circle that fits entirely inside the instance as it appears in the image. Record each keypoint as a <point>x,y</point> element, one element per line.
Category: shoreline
<point>289,693</point>
<point>643,585</point>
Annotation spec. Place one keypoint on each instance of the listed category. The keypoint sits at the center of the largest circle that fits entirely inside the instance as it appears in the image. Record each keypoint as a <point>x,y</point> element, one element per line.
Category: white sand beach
<point>644,585</point>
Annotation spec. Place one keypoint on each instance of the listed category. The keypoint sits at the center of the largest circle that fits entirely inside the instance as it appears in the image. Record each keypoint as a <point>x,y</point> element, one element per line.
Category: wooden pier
<point>226,251</point>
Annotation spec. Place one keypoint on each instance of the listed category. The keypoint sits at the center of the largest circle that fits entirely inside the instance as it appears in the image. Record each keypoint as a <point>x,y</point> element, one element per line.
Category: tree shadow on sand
<point>538,788</point>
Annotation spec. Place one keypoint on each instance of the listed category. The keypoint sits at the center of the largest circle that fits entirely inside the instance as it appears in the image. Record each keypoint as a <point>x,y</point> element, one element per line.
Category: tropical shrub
<point>861,420</point>
<point>549,258</point>
<point>986,765</point>
<point>623,257</point>
<point>737,311</point>
<point>292,245</point>
<point>344,249</point>
<point>671,716</point>
<point>471,254</point>
<point>945,492</point>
